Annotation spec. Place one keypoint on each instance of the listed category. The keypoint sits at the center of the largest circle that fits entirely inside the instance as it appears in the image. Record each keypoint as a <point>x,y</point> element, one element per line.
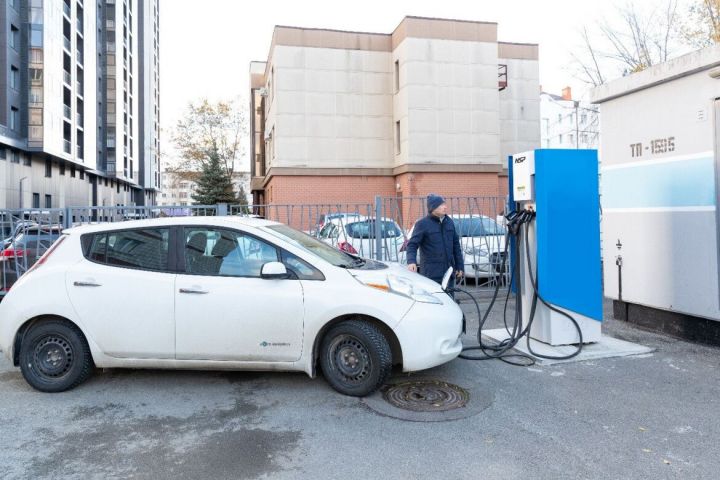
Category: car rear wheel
<point>54,356</point>
<point>355,358</point>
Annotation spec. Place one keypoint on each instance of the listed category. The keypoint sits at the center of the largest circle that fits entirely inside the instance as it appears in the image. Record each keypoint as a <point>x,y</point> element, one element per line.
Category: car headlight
<point>404,287</point>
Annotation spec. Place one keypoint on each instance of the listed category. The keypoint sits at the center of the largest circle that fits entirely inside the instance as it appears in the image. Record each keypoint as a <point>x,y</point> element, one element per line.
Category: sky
<point>206,46</point>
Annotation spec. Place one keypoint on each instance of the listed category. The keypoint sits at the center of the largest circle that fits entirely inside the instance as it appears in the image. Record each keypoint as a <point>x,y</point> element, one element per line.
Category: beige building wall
<point>423,100</point>
<point>520,102</point>
<point>329,108</point>
<point>448,102</point>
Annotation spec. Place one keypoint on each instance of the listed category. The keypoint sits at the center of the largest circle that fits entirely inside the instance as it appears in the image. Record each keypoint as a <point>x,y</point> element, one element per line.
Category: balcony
<point>67,146</point>
<point>67,112</point>
<point>502,77</point>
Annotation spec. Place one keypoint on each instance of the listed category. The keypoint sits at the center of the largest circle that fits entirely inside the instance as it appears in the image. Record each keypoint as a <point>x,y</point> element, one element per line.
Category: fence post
<point>67,218</point>
<point>222,209</point>
<point>378,228</point>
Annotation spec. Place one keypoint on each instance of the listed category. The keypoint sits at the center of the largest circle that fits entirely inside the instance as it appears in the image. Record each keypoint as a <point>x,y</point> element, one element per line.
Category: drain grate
<point>426,396</point>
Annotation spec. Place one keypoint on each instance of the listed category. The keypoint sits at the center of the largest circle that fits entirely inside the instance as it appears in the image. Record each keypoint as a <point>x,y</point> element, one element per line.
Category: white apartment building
<point>568,123</point>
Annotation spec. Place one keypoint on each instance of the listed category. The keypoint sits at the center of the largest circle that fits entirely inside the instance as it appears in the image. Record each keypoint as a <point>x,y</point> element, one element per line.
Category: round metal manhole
<point>426,396</point>
<point>429,400</point>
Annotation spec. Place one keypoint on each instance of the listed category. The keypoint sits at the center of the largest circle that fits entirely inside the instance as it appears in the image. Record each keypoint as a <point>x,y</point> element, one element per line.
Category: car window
<point>478,227</point>
<point>301,269</point>
<point>367,229</point>
<point>144,249</point>
<point>220,252</point>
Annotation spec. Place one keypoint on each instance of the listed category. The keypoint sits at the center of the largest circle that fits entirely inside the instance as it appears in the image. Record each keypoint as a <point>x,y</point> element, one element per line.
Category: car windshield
<point>314,246</point>
<point>367,230</point>
<point>477,227</point>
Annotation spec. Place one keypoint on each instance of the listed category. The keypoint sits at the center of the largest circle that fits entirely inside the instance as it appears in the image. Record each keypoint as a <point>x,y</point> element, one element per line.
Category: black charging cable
<point>516,220</point>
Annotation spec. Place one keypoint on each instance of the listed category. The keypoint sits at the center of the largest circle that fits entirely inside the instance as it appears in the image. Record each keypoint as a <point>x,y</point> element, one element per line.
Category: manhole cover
<point>426,399</point>
<point>426,396</point>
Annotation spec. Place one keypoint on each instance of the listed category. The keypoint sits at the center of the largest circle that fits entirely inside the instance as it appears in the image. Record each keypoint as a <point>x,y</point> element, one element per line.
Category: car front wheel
<point>355,358</point>
<point>54,356</point>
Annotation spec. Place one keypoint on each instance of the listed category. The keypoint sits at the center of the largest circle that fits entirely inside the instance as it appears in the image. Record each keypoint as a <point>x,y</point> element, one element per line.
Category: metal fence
<point>378,230</point>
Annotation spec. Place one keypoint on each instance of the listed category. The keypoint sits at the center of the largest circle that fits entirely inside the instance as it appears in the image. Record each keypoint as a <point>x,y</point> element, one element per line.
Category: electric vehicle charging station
<point>558,249</point>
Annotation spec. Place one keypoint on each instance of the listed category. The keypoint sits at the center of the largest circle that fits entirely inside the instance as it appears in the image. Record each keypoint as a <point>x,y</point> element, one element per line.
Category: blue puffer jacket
<point>439,246</point>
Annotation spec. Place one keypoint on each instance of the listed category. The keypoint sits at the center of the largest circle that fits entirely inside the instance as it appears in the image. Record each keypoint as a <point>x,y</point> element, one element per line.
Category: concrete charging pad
<point>479,399</point>
<point>607,347</point>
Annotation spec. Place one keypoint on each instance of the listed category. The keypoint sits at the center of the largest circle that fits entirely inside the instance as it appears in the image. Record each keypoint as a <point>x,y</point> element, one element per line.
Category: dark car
<point>22,251</point>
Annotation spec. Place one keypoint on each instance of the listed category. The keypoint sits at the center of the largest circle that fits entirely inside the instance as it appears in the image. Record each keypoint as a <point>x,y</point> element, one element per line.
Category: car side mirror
<point>446,278</point>
<point>274,271</point>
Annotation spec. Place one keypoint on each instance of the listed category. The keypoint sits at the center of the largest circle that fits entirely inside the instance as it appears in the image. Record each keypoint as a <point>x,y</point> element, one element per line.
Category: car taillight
<point>11,252</point>
<point>47,254</point>
<point>347,248</point>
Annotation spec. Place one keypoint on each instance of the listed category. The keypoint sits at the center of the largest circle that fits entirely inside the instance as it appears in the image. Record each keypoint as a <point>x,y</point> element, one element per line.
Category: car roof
<point>224,221</point>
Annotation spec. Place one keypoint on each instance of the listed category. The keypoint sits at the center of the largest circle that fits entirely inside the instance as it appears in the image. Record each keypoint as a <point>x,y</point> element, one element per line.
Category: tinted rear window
<point>145,249</point>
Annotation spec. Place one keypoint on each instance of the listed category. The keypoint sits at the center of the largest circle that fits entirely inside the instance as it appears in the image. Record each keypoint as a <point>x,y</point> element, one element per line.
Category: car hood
<point>399,270</point>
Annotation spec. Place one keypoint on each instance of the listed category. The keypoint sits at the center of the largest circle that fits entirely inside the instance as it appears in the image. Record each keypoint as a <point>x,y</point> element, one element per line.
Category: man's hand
<point>412,267</point>
<point>459,274</point>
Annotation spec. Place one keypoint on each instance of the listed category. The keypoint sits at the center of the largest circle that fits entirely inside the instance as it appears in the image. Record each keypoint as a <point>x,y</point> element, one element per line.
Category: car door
<point>123,292</point>
<point>225,310</point>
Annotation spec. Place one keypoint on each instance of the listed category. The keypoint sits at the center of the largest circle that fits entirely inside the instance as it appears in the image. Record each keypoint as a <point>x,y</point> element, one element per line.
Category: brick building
<point>435,106</point>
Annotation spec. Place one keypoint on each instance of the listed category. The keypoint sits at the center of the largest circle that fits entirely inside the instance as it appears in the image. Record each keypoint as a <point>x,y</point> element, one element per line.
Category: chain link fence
<point>378,230</point>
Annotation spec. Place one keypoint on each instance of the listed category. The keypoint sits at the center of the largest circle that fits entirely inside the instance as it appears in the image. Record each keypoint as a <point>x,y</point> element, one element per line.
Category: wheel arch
<point>389,334</point>
<point>20,334</point>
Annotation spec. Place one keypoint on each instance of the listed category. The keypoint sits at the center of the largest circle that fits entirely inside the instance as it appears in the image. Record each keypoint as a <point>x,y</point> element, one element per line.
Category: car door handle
<point>193,290</point>
<point>87,284</point>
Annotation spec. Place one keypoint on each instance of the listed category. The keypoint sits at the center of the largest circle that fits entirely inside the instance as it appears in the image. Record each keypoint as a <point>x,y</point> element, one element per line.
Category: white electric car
<point>356,235</point>
<point>221,293</point>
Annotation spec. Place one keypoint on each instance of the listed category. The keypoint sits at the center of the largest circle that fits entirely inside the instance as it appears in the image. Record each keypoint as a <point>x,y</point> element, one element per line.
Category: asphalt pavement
<point>653,416</point>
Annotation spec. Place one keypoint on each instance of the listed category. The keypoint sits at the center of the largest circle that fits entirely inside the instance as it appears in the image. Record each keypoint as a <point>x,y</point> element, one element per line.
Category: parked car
<point>326,218</point>
<point>221,293</point>
<point>356,236</point>
<point>22,251</point>
<point>16,229</point>
<point>483,242</point>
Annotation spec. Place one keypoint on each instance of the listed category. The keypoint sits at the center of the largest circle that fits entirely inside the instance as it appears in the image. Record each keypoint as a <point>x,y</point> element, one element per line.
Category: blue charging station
<point>561,187</point>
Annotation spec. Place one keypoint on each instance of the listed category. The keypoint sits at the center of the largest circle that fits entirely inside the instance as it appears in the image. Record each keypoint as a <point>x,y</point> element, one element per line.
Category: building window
<point>36,76</point>
<point>48,168</point>
<point>72,171</point>
<point>36,36</point>
<point>14,118</point>
<point>14,37</point>
<point>36,94</point>
<point>36,200</point>
<point>15,157</point>
<point>397,76</point>
<point>82,174</point>
<point>14,77</point>
<point>62,169</point>
<point>561,138</point>
<point>35,116</point>
<point>27,160</point>
<point>3,155</point>
<point>48,201</point>
<point>397,137</point>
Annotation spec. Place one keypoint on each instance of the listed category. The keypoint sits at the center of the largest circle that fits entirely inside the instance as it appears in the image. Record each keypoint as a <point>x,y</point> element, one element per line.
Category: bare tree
<point>702,25</point>
<point>630,41</point>
<point>209,131</point>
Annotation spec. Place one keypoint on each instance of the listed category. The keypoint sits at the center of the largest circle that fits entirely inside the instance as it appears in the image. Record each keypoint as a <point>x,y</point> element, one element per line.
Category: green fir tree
<point>214,184</point>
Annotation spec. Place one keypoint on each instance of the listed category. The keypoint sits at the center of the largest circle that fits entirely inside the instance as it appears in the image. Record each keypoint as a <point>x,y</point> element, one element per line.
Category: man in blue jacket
<point>438,242</point>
